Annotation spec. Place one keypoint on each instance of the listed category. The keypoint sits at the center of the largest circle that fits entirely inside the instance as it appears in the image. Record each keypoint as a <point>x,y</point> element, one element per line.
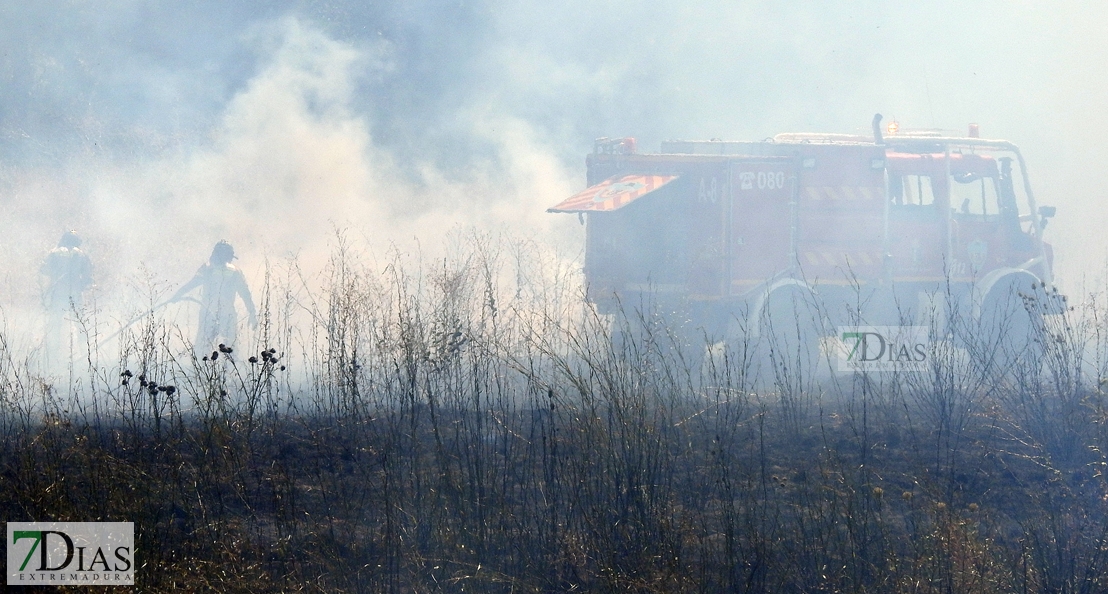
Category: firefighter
<point>69,273</point>
<point>220,282</point>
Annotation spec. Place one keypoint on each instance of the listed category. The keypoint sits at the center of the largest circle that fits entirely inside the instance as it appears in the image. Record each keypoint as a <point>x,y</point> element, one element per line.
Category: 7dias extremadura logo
<point>883,348</point>
<point>71,553</point>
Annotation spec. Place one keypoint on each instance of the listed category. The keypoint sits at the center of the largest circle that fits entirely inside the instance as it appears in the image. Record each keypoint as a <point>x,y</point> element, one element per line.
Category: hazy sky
<point>157,128</point>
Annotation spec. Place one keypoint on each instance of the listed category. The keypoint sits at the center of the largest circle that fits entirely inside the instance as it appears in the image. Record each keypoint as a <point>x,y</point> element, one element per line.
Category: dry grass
<point>449,430</point>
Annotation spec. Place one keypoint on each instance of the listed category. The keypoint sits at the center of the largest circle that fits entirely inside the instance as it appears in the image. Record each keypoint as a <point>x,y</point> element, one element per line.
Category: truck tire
<point>1006,338</point>
<point>789,331</point>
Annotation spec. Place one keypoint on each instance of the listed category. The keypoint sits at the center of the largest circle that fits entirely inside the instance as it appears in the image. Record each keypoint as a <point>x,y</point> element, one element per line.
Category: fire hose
<point>135,320</point>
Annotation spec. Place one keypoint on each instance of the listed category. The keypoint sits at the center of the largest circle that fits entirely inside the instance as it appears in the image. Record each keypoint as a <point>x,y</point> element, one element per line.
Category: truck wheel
<point>790,329</point>
<point>1007,335</point>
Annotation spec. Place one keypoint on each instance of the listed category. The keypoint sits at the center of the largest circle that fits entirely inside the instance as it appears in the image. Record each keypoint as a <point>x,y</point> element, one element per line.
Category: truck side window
<point>911,190</point>
<point>975,195</point>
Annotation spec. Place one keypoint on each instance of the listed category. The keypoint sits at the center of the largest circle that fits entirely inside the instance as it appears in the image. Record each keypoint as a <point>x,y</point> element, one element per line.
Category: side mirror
<point>1045,212</point>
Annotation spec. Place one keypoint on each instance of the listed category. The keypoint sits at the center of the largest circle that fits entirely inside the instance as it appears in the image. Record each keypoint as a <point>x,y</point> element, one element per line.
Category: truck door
<point>763,220</point>
<point>919,200</point>
<point>704,212</point>
<point>986,230</point>
<point>842,214</point>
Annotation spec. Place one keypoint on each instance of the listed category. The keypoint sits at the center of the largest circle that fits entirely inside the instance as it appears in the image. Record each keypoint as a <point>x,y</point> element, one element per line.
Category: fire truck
<point>890,229</point>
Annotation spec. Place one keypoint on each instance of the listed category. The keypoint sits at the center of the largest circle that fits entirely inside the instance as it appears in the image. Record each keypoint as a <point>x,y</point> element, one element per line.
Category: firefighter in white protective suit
<point>69,273</point>
<point>220,282</point>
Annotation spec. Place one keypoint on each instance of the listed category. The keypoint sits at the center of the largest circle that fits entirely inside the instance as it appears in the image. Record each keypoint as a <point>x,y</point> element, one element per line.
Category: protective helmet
<point>70,239</point>
<point>222,253</point>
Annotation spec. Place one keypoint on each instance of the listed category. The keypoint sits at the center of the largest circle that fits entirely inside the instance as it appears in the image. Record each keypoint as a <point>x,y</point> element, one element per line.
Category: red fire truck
<point>884,230</point>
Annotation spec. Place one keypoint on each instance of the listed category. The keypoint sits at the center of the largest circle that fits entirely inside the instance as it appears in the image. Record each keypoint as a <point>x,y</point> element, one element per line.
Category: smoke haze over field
<point>156,129</point>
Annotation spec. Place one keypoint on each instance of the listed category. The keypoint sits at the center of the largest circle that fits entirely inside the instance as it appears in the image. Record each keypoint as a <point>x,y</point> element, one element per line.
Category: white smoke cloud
<point>287,164</point>
<point>398,123</point>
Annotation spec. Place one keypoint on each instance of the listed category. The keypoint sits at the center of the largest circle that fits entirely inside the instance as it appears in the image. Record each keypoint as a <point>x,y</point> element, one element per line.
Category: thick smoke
<point>286,166</point>
<point>157,129</point>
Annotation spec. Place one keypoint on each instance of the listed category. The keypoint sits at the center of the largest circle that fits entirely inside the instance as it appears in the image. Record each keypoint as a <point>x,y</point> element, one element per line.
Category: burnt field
<point>449,431</point>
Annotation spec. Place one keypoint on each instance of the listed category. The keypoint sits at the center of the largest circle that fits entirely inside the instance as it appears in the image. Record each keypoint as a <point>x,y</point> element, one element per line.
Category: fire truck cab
<point>881,230</point>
